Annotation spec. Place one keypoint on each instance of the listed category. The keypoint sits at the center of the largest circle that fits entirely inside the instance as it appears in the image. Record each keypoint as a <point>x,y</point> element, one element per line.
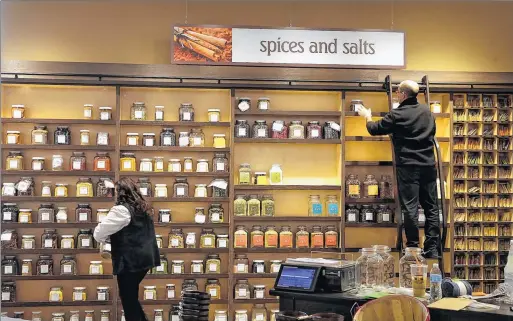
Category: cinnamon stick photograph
<point>197,44</point>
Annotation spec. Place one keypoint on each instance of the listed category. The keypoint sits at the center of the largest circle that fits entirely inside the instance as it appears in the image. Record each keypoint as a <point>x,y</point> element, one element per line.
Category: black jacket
<point>413,129</point>
<point>134,247</point>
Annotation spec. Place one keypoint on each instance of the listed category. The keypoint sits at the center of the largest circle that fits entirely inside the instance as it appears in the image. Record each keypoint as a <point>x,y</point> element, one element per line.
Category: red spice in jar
<point>279,130</point>
<point>314,130</point>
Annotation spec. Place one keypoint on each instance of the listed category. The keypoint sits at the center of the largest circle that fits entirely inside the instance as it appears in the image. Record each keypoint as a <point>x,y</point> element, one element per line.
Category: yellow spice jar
<point>55,294</point>
<point>79,293</point>
<point>84,187</point>
<point>13,137</point>
<point>219,141</point>
<point>127,162</point>
<point>61,190</point>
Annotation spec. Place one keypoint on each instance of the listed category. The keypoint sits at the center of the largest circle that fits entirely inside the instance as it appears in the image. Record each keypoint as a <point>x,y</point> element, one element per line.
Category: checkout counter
<point>318,285</point>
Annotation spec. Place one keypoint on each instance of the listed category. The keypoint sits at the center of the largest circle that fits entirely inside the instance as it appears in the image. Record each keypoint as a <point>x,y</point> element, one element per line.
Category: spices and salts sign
<point>300,47</point>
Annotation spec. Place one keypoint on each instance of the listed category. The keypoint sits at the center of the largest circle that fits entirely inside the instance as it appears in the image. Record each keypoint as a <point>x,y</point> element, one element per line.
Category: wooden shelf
<point>174,123</point>
<point>187,276</point>
<point>287,187</point>
<point>55,304</point>
<point>172,149</point>
<point>51,251</point>
<point>368,138</point>
<point>278,250</point>
<point>44,121</point>
<point>377,163</point>
<point>380,225</point>
<point>58,147</point>
<point>316,219</point>
<point>172,174</point>
<point>49,225</point>
<point>57,277</point>
<point>188,199</point>
<point>255,275</point>
<point>289,113</point>
<point>174,302</point>
<point>196,250</point>
<point>192,225</point>
<point>354,113</point>
<point>287,141</point>
<point>257,301</point>
<point>59,173</point>
<point>56,199</point>
<point>369,201</point>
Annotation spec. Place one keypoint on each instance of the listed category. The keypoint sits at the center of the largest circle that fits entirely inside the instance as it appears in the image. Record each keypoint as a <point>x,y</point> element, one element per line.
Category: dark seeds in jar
<point>9,239</point>
<point>331,130</point>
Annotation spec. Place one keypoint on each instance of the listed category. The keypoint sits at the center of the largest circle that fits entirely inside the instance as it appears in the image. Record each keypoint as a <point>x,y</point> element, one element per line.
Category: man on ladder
<point>413,128</point>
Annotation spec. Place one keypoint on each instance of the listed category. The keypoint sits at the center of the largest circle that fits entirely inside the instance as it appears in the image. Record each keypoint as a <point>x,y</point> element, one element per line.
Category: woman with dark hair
<point>134,248</point>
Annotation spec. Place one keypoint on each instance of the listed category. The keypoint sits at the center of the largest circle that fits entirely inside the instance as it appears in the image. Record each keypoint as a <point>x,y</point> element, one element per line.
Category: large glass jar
<point>412,255</point>
<point>145,187</point>
<point>14,161</point>
<point>201,190</point>
<point>85,187</point>
<point>316,237</point>
<point>240,237</point>
<point>62,136</point>
<point>279,130</point>
<point>386,188</point>
<point>183,139</point>
<point>286,237</point>
<point>241,263</point>
<point>83,213</point>
<point>353,187</point>
<point>176,239</point>
<point>314,130</point>
<point>267,205</point>
<point>260,129</point>
<point>216,213</point>
<point>181,187</point>
<point>244,174</point>
<point>18,111</point>
<point>213,264</point>
<point>369,269</point>
<point>177,267</point>
<point>127,162</point>
<point>207,239</point>
<point>241,129</point>
<point>186,112</point>
<point>240,206</point>
<point>68,265</point>
<point>10,212</point>
<point>10,265</point>
<point>331,237</point>
<point>352,214</point>
<point>253,205</point>
<point>78,161</point>
<point>220,163</point>
<point>138,111</point>
<point>371,187</point>
<point>202,166</point>
<point>167,137</point>
<point>367,214</point>
<point>25,186</point>
<point>8,292</point>
<point>296,130</point>
<point>149,139</point>
<point>331,130</point>
<point>302,237</point>
<point>197,267</point>
<point>105,187</point>
<point>275,175</point>
<point>315,206</point>
<point>146,165</point>
<point>85,239</point>
<point>38,163</point>
<point>384,214</point>
<point>44,265</point>
<point>242,290</point>
<point>196,138</point>
<point>102,162</point>
<point>388,265</point>
<point>213,287</point>
<point>49,239</point>
<point>257,237</point>
<point>105,113</point>
<point>39,135</point>
<point>271,237</point>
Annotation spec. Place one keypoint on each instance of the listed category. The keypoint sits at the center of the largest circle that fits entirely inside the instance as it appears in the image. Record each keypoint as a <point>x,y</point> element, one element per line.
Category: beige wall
<point>459,36</point>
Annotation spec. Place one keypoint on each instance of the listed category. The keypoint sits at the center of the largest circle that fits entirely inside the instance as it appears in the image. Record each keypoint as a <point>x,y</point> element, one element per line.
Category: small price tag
<point>242,132</point>
<point>170,294</point>
<point>220,167</point>
<point>48,244</point>
<point>180,191</point>
<point>38,138</point>
<point>143,191</point>
<point>177,269</point>
<point>148,142</point>
<point>213,293</point>
<point>261,133</point>
<point>61,139</point>
<point>212,268</point>
<point>277,127</point>
<point>369,216</point>
<point>132,141</point>
<point>208,241</point>
<point>167,141</point>
<point>44,269</point>
<point>77,296</point>
<point>82,217</point>
<point>86,243</point>
<point>196,141</point>
<point>66,244</point>
<point>165,218</point>
<point>386,217</point>
<point>183,141</point>
<point>186,116</point>
<point>241,268</point>
<point>77,165</point>
<point>7,269</point>
<point>7,216</point>
<point>223,244</point>
<point>11,140</point>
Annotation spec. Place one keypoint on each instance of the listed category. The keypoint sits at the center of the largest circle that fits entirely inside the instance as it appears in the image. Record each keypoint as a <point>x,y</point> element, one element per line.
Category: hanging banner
<point>289,47</point>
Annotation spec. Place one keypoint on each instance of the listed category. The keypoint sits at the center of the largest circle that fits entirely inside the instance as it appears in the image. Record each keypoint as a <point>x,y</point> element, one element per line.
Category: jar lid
<point>220,311</point>
<point>105,311</point>
<point>145,159</point>
<point>260,173</point>
<point>67,236</point>
<point>158,310</point>
<point>88,105</point>
<point>18,106</point>
<point>219,135</point>
<point>241,311</point>
<point>79,288</point>
<point>202,160</point>
<point>150,287</point>
<point>214,110</point>
<point>164,210</point>
<point>260,286</point>
<point>244,98</point>
<point>58,314</point>
<point>201,185</point>
<point>74,311</point>
<point>435,102</point>
<point>195,261</point>
<point>174,160</point>
<point>38,158</point>
<point>258,261</point>
<point>170,284</point>
<point>187,158</point>
<point>159,107</point>
<point>26,260</point>
<point>101,209</point>
<point>25,210</point>
<point>275,261</point>
<point>132,134</point>
<point>57,156</point>
<point>84,130</point>
<point>263,98</point>
<point>13,132</point>
<point>160,185</point>
<point>184,133</point>
<point>186,104</point>
<point>222,235</point>
<point>138,103</point>
<point>105,108</point>
<point>61,184</point>
<point>356,100</point>
<point>28,236</point>
<point>148,134</point>
<point>96,262</point>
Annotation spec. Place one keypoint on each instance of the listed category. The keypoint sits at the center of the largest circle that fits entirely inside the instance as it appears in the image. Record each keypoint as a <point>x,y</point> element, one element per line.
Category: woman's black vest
<point>134,248</point>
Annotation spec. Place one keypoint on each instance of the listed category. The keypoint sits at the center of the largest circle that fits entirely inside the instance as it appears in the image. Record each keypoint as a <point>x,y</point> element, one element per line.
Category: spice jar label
<point>275,268</point>
<point>259,317</point>
<point>170,294</point>
<point>66,244</point>
<point>16,114</point>
<point>77,296</point>
<point>77,165</point>
<point>148,142</point>
<point>332,209</point>
<point>186,116</point>
<point>214,117</point>
<point>180,191</point>
<point>215,217</point>
<point>196,268</point>
<point>138,114</point>
<point>82,217</point>
<point>83,191</point>
<point>160,268</point>
<point>223,243</point>
<point>175,167</point>
<point>272,240</point>
<point>106,318</point>
<point>48,243</point>
<point>37,166</point>
<point>261,132</point>
<point>25,269</point>
<point>183,141</point>
<point>369,216</point>
<point>188,165</point>
<point>372,190</point>
<point>61,139</point>
<point>286,241</point>
<point>159,166</point>
<point>148,295</point>
<point>220,166</point>
<point>354,189</point>
<point>146,167</point>
<point>6,296</point>
<point>202,168</point>
<point>38,138</point>
<point>177,269</point>
<point>331,240</point>
<point>11,139</point>
<point>127,164</point>
<point>100,165</point>
<point>132,141</point>
<point>85,242</point>
<point>159,115</point>
<point>277,127</point>
<point>191,239</point>
<point>212,268</point>
<point>243,293</point>
<point>351,218</point>
<point>317,240</point>
<point>55,297</point>
<point>157,318</point>
<point>201,192</point>
<point>87,113</point>
<point>258,240</point>
<point>9,190</point>
<point>102,297</point>
<point>27,245</point>
<point>175,318</point>
<point>196,141</point>
<point>315,133</point>
<point>242,131</point>
<point>13,164</point>
<point>24,219</point>
<point>199,218</point>
<point>95,269</point>
<point>213,293</point>
<point>104,116</point>
<point>317,209</point>
<point>44,269</point>
<point>302,241</point>
<point>7,216</point>
<point>84,139</point>
<point>241,268</point>
<point>297,133</point>
<point>7,269</point>
<point>175,242</point>
<point>386,217</point>
<point>143,191</point>
<point>243,106</point>
<point>165,218</point>
<point>167,141</point>
<point>207,241</point>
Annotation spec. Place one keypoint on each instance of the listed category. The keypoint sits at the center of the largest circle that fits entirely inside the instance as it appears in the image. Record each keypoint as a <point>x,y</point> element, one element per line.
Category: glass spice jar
<point>28,242</point>
<point>57,163</point>
<point>138,111</point>
<point>38,163</point>
<point>222,241</point>
<point>213,264</point>
<point>102,139</point>
<point>85,187</point>
<point>8,292</point>
<point>183,139</point>
<point>242,289</point>
<point>257,237</point>
<point>105,113</point>
<point>190,240</point>
<point>196,138</point>
<point>275,175</point>
<point>145,187</point>
<point>331,237</point>
<point>101,213</point>
<point>159,113</point>
<point>279,130</point>
<point>10,265</point>
<point>105,187</point>
<point>148,139</point>
<point>177,267</point>
<point>8,189</point>
<point>388,265</point>
<point>62,135</point>
<point>200,190</point>
<point>88,111</point>
<point>13,137</point>
<point>207,239</point>
<point>264,103</point>
<point>240,206</point>
<point>49,239</point>
<point>352,214</point>
<point>85,239</point>
<point>220,315</point>
<point>14,161</point>
<point>386,190</point>
<point>412,255</point>
<point>199,215</point>
<point>89,315</point>
<point>353,187</point>
<point>189,285</point>
<point>213,287</point>
<point>315,206</point>
<point>62,215</point>
<point>174,166</point>
<point>244,103</point>
<point>220,163</point>
<point>214,115</point>
<point>176,239</point>
<point>296,130</point>
<point>26,267</point>
<point>244,174</point>
<point>181,187</point>
<point>186,112</point>
<point>18,111</point>
<point>369,269</point>
<point>168,137</point>
<point>275,266</point>
<point>286,238</point>
<point>260,129</point>
<point>258,266</point>
<point>316,238</point>
<point>241,315</point>
<point>44,265</point>
<point>160,241</point>
<point>367,214</point>
<point>102,293</point>
<point>85,137</point>
<point>384,214</point>
<point>159,163</point>
<point>253,206</point>
<point>371,187</point>
<point>25,215</point>
<point>216,213</point>
<point>187,164</point>
<point>39,135</point>
<point>150,292</point>
<point>10,212</point>
<point>197,267</point>
<point>219,141</point>
<point>132,139</point>
<point>259,291</point>
<point>271,237</point>
<point>127,162</point>
<point>83,213</point>
<point>240,237</point>
<point>219,188</point>
<point>202,166</point>
<point>95,268</point>
<point>160,190</point>
<point>302,237</point>
<point>67,242</point>
<point>331,130</point>
<point>332,205</point>
<point>170,291</point>
<point>314,130</point>
<point>146,165</point>
<point>25,186</point>
<point>242,129</point>
<point>68,265</point>
<point>79,293</point>
<point>164,215</point>
<point>241,264</point>
<point>78,161</point>
<point>101,162</point>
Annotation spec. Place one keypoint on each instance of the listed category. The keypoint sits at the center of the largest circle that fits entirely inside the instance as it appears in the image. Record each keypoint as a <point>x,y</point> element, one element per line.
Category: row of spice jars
<point>50,240</point>
<point>280,130</point>
<point>84,188</point>
<point>269,237</point>
<point>214,215</point>
<point>211,265</point>
<point>47,214</point>
<point>208,239</point>
<point>77,162</point>
<point>258,313</point>
<point>138,111</point>
<point>74,315</point>
<point>24,187</point>
<point>217,188</point>
<point>61,136</point>
<point>370,188</point>
<point>244,103</point>
<point>45,266</point>
<point>212,286</point>
<point>243,290</point>
<point>260,178</point>
<point>375,268</point>
<point>79,293</point>
<point>241,264</point>
<point>369,214</point>
<point>253,205</point>
<point>128,163</point>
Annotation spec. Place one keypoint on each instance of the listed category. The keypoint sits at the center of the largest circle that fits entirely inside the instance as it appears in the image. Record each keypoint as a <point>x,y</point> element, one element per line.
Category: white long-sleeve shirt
<point>118,218</point>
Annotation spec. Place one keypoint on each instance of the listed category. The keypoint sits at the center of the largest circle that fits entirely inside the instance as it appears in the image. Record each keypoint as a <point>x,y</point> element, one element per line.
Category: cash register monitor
<point>297,278</point>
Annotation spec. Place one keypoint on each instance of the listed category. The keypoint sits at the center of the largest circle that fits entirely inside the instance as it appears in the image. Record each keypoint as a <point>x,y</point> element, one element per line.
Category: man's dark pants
<point>417,185</point>
<point>128,284</point>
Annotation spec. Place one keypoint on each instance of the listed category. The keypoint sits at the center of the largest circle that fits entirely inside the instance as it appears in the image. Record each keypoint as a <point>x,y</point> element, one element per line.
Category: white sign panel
<point>264,46</point>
